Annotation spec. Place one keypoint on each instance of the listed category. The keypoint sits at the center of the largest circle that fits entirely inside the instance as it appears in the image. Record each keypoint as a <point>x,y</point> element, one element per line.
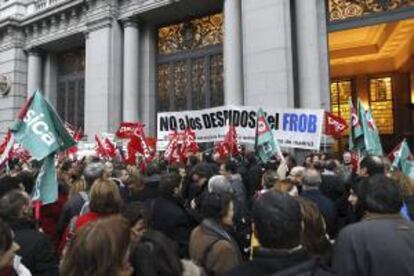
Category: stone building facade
<point>99,61</point>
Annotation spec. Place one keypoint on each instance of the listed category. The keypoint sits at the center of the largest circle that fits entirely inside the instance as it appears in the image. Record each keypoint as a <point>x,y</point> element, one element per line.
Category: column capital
<point>130,22</point>
<point>34,52</point>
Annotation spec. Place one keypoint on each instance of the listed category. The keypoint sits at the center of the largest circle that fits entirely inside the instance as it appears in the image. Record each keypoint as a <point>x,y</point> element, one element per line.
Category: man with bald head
<point>310,190</point>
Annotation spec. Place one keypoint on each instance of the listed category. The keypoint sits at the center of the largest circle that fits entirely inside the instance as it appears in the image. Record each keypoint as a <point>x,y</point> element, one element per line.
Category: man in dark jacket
<point>310,190</point>
<point>74,206</point>
<point>35,249</point>
<point>277,223</point>
<point>383,242</point>
<point>169,215</point>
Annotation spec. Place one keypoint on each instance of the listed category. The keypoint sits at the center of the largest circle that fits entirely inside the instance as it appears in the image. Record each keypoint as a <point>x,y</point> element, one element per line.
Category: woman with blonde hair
<point>101,248</point>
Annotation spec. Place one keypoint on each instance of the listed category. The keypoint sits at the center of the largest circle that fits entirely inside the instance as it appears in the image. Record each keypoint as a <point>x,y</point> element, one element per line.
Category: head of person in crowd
<point>296,174</point>
<point>105,197</point>
<point>109,169</point>
<point>64,172</point>
<point>120,172</point>
<point>347,158</point>
<point>153,169</point>
<point>200,174</point>
<point>229,167</point>
<point>92,172</point>
<point>15,205</point>
<point>138,218</point>
<point>331,166</point>
<point>219,208</point>
<point>135,182</point>
<point>308,163</point>
<point>319,165</point>
<point>101,248</point>
<point>219,184</point>
<point>371,165</point>
<point>9,183</point>
<point>27,179</point>
<point>251,157</point>
<point>277,221</point>
<point>170,186</point>
<point>314,237</point>
<point>286,186</point>
<point>311,179</point>
<point>290,161</point>
<point>8,247</point>
<point>192,160</point>
<point>269,179</point>
<point>316,157</point>
<point>380,194</point>
<point>78,185</point>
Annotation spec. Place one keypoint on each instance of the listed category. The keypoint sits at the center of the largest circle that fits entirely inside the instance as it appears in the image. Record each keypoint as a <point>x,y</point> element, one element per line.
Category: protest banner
<point>293,128</point>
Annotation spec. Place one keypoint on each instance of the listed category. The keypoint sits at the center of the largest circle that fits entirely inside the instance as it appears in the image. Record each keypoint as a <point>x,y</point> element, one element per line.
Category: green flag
<point>371,137</point>
<point>40,130</point>
<point>46,186</point>
<point>266,145</point>
<point>402,160</point>
<point>356,134</point>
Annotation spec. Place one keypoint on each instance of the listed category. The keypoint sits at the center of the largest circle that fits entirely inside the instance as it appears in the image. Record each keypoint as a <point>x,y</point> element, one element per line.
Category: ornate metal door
<point>71,87</point>
<point>190,65</point>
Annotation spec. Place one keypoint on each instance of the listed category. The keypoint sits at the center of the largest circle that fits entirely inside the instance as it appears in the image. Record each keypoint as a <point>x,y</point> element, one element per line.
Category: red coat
<point>80,221</point>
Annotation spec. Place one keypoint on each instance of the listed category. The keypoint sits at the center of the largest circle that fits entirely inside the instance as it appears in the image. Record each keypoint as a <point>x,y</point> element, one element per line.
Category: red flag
<point>334,125</point>
<point>170,153</point>
<point>127,130</point>
<point>222,150</point>
<point>393,154</point>
<point>100,149</point>
<point>110,148</point>
<point>6,148</point>
<point>231,141</point>
<point>189,145</point>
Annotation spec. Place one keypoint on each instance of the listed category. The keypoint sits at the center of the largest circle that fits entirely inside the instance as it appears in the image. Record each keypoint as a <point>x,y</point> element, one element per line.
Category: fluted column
<point>130,100</point>
<point>34,72</point>
<point>233,53</point>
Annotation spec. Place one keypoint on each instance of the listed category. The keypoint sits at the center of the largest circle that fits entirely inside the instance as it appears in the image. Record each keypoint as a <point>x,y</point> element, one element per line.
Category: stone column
<point>312,54</point>
<point>50,78</point>
<point>233,53</point>
<point>130,99</point>
<point>34,72</point>
<point>103,80</point>
<point>148,79</point>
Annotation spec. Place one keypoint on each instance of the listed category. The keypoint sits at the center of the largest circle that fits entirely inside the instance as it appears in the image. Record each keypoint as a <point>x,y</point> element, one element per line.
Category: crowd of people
<point>236,216</point>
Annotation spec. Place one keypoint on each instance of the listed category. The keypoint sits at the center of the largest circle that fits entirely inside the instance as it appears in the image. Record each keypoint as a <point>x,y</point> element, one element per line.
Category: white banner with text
<point>293,128</point>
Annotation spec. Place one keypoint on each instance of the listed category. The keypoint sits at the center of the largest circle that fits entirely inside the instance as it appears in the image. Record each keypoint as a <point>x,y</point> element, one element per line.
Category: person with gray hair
<point>310,189</point>
<point>73,207</point>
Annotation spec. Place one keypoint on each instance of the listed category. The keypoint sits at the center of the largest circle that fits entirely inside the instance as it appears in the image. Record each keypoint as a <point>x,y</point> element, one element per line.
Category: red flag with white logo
<point>334,125</point>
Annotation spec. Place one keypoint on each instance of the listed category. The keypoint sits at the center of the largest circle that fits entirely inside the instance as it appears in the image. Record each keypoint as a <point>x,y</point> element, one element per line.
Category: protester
<point>36,249</point>
<point>100,249</point>
<point>169,215</point>
<point>229,169</point>
<point>10,262</point>
<point>311,183</point>
<point>152,253</point>
<point>277,222</point>
<point>383,242</point>
<point>371,165</point>
<point>314,237</point>
<point>286,186</point>
<point>74,206</point>
<point>105,200</point>
<point>211,246</point>
<point>269,180</point>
